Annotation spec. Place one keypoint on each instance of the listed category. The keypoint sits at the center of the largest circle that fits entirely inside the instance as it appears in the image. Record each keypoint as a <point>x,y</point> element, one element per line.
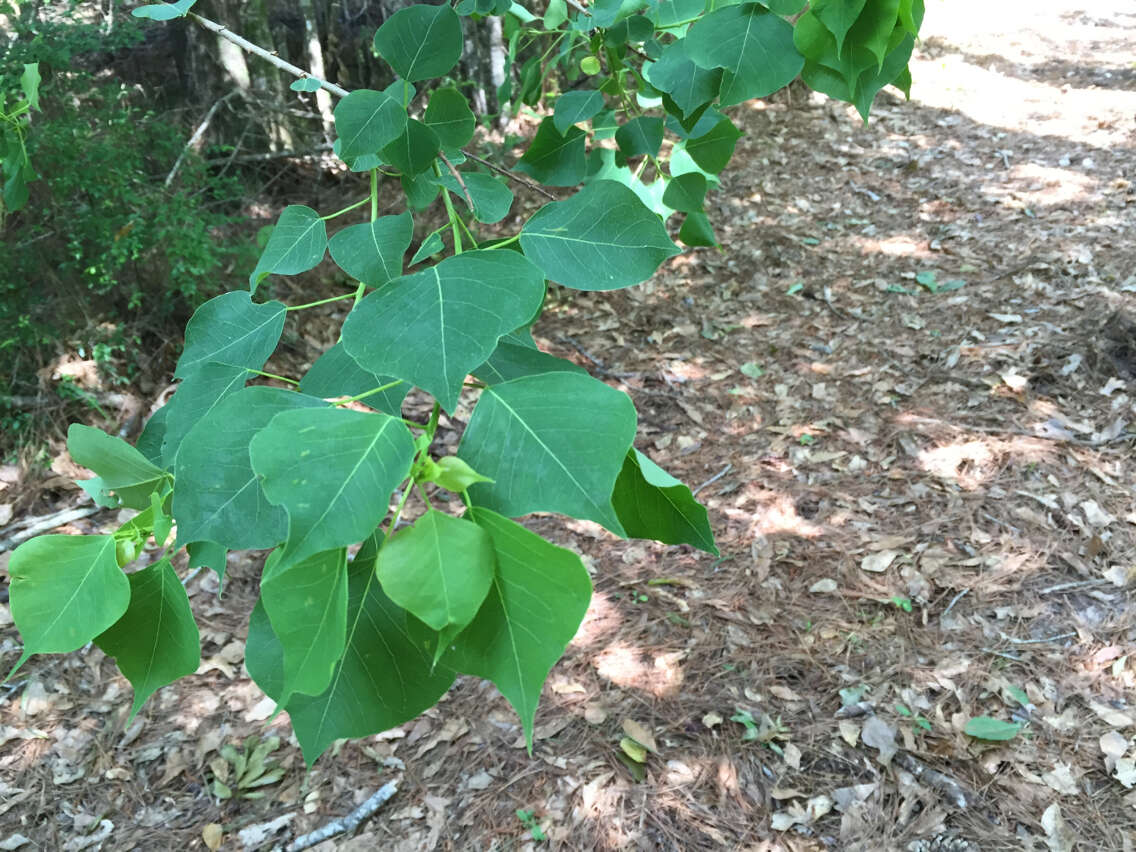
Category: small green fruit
<point>590,65</point>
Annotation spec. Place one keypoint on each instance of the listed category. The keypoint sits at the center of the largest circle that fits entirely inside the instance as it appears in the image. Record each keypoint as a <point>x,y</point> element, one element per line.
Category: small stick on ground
<point>713,479</point>
<point>346,823</point>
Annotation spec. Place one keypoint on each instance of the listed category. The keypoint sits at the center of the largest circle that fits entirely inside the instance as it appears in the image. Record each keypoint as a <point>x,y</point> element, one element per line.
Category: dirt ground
<point>905,391</point>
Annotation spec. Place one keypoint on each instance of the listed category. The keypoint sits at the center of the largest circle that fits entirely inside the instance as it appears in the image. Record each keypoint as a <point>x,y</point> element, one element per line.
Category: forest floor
<point>907,384</point>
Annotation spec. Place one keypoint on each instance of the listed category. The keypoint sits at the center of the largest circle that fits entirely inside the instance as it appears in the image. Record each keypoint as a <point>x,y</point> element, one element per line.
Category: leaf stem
<point>322,301</point>
<point>452,213</point>
<point>351,207</point>
<point>371,392</point>
<point>398,511</point>
<point>374,194</point>
<point>273,376</point>
<point>507,242</point>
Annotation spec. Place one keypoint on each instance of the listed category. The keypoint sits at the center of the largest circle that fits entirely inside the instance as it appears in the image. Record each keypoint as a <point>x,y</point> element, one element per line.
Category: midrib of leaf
<point>348,478</point>
<point>441,324</point>
<point>442,576</point>
<point>231,343</point>
<point>79,588</point>
<point>422,43</point>
<point>547,449</point>
<point>157,627</point>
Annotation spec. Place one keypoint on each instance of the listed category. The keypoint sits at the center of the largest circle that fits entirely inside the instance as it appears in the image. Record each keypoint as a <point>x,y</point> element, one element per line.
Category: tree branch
<point>511,175</point>
<point>245,44</point>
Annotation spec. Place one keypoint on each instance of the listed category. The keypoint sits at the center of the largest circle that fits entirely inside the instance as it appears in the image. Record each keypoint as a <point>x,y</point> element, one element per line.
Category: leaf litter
<point>961,441</point>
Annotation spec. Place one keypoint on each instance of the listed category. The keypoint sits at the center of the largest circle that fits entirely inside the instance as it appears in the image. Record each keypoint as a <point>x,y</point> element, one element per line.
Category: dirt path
<point>908,386</point>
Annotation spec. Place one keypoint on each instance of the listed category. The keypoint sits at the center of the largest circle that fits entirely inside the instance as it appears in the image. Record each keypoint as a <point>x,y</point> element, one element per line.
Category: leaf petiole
<point>371,392</point>
<point>347,209</point>
<point>324,301</point>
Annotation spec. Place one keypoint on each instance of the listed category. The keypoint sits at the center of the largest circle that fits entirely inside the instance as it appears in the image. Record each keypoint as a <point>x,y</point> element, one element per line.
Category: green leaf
<point>686,193</point>
<point>29,84</point>
<point>414,150</point>
<point>453,474</point>
<point>689,85</point>
<point>554,158</point>
<point>642,135</point>
<point>305,84</point>
<point>537,601</point>
<point>164,11</point>
<point>556,15</point>
<point>264,655</point>
<point>696,230</point>
<point>753,46</point>
<point>449,116</point>
<point>336,374</point>
<point>553,442</point>
<point>653,504</point>
<point>149,443</point>
<point>430,246</point>
<point>100,495</point>
<point>297,244</point>
<point>668,13</point>
<point>162,523</point>
<point>602,238</point>
<point>492,199</point>
<point>786,8</point>
<point>197,395</point>
<point>513,360</point>
<point>336,488</point>
<point>838,16</point>
<point>605,12</point>
<point>911,15</point>
<point>217,497</point>
<point>65,590</point>
<point>207,554</point>
<point>122,469</point>
<point>439,571</point>
<point>155,642</point>
<point>431,328</point>
<point>574,107</point>
<point>873,29</point>
<point>995,730</point>
<point>383,679</point>
<point>420,41</point>
<point>231,329</point>
<point>713,150</point>
<point>420,190</point>
<point>373,252</point>
<point>367,121</point>
<point>306,602</point>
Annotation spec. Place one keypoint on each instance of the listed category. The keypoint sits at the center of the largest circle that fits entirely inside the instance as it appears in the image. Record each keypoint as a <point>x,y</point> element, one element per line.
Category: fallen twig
<point>960,797</point>
<point>954,601</point>
<point>346,823</point>
<point>713,478</point>
<point>45,523</point>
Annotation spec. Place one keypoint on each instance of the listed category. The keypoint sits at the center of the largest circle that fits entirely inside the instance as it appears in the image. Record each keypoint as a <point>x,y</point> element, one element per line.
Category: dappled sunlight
<point>969,464</point>
<point>764,513</point>
<point>630,667</point>
<point>601,621</point>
